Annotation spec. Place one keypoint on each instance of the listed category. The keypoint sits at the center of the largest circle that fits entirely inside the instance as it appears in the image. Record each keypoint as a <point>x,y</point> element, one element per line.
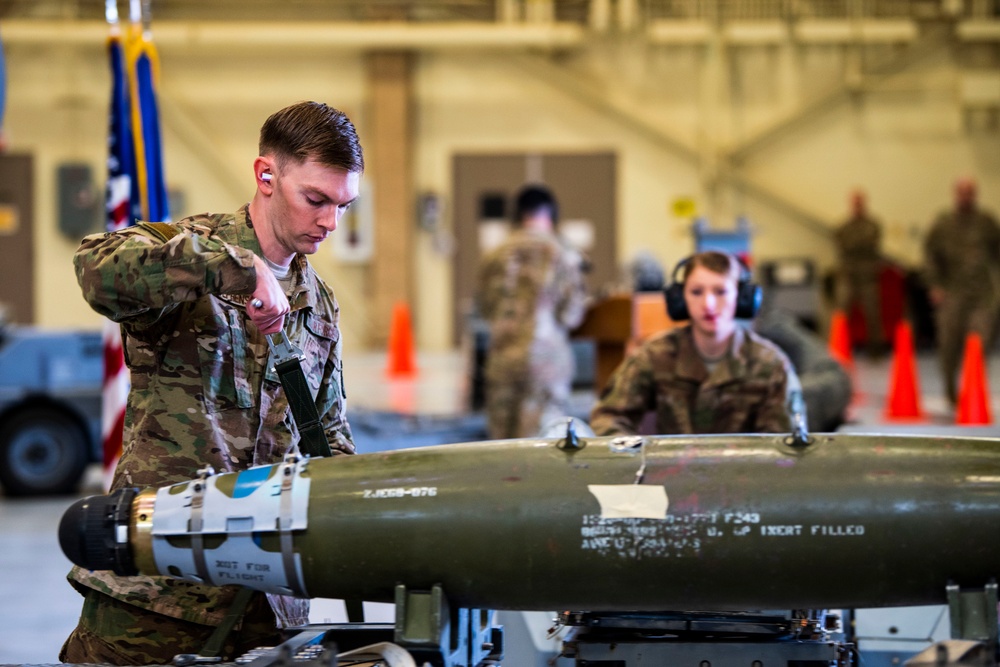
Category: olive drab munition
<point>697,523</point>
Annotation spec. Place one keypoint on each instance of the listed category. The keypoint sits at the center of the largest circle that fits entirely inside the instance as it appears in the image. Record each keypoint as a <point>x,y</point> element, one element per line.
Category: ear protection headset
<point>748,294</point>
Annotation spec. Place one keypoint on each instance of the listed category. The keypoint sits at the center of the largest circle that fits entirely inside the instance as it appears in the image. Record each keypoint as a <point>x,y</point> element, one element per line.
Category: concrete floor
<point>38,608</point>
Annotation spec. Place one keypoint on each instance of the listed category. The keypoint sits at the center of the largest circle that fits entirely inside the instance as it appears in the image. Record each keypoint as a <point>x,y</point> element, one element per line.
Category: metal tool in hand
<point>283,350</point>
<point>287,360</point>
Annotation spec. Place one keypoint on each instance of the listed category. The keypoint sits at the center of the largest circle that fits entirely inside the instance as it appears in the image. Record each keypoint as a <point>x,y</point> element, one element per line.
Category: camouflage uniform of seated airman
<point>532,291</point>
<point>203,393</point>
<point>746,391</point>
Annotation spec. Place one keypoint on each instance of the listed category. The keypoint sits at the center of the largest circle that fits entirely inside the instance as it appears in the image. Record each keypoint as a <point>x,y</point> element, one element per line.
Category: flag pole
<point>147,16</point>
<point>111,12</point>
<point>144,77</point>
<point>118,212</point>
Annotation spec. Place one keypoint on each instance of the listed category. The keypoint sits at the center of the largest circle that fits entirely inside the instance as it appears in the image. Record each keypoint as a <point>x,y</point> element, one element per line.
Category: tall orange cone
<point>840,340</point>
<point>973,392</point>
<point>904,387</point>
<point>401,358</point>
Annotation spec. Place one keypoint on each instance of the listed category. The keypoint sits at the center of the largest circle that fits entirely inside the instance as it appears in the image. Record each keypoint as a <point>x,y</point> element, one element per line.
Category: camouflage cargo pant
<point>117,633</point>
<point>862,287</point>
<point>956,317</point>
<point>526,390</point>
<point>518,409</point>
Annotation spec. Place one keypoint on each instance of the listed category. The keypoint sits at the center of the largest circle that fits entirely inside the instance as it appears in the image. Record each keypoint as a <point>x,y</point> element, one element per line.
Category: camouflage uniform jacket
<point>531,289</point>
<point>963,254</point>
<point>859,242</point>
<point>746,392</point>
<point>203,392</point>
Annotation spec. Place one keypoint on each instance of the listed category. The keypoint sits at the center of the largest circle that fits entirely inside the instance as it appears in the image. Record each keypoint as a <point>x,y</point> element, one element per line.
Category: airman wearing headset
<point>710,376</point>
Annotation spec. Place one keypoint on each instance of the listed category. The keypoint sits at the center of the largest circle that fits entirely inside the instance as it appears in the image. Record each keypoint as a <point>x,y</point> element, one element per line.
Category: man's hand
<point>269,315</point>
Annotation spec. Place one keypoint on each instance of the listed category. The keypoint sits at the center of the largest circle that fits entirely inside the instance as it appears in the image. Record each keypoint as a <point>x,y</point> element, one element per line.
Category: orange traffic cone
<point>973,392</point>
<point>904,387</point>
<point>401,361</point>
<point>840,349</point>
<point>840,340</point>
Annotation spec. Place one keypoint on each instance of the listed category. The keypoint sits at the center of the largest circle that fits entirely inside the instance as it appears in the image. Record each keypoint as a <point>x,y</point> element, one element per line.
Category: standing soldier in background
<point>963,275</point>
<point>531,291</point>
<point>859,242</point>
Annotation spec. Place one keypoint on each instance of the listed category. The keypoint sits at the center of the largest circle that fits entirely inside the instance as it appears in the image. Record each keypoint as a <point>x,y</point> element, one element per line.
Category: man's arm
<point>268,305</point>
<point>573,298</point>
<point>994,246</point>
<point>934,264</point>
<point>876,240</point>
<point>133,275</point>
<point>136,274</point>
<point>487,296</point>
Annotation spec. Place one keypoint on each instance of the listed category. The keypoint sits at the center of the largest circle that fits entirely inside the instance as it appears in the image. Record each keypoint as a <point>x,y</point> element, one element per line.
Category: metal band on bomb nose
<point>238,531</point>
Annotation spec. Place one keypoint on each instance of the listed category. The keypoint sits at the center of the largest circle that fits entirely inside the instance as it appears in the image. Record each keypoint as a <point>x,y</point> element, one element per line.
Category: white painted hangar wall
<point>904,138</point>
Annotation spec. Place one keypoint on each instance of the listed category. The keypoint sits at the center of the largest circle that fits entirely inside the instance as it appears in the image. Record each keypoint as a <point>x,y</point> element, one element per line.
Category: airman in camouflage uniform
<point>859,242</point>
<point>962,254</point>
<point>532,291</point>
<point>712,376</point>
<point>203,392</point>
<point>746,392</point>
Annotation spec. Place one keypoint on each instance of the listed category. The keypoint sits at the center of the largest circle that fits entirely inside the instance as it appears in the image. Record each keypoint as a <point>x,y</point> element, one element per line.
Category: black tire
<point>43,451</point>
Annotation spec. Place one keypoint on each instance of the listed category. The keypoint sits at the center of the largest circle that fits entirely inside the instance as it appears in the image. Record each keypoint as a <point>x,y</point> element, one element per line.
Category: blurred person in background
<point>962,269</point>
<point>532,292</point>
<point>859,252</point>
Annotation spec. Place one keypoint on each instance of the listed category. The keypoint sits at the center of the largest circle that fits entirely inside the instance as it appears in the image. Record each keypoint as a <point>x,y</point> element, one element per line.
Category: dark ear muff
<point>674,296</point>
<point>748,298</point>
<point>677,307</point>
<point>748,294</point>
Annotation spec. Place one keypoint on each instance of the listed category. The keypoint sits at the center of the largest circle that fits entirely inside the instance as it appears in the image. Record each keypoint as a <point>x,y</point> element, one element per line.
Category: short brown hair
<point>312,130</point>
<point>717,262</point>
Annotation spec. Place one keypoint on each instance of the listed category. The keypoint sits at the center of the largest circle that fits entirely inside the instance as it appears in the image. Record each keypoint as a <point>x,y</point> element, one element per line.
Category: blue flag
<point>144,71</point>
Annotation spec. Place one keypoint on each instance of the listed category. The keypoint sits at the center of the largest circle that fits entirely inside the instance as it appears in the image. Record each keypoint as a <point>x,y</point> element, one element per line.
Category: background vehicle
<point>50,408</point>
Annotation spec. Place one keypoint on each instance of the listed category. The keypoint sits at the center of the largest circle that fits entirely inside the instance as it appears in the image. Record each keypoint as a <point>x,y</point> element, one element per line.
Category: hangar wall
<point>734,128</point>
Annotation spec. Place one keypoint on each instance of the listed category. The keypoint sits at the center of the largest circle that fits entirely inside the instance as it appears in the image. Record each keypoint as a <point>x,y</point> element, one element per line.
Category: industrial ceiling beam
<point>624,111</point>
<point>301,35</point>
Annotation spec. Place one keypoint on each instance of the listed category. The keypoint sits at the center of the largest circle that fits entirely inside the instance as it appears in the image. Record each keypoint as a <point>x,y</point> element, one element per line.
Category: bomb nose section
<point>93,533</point>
